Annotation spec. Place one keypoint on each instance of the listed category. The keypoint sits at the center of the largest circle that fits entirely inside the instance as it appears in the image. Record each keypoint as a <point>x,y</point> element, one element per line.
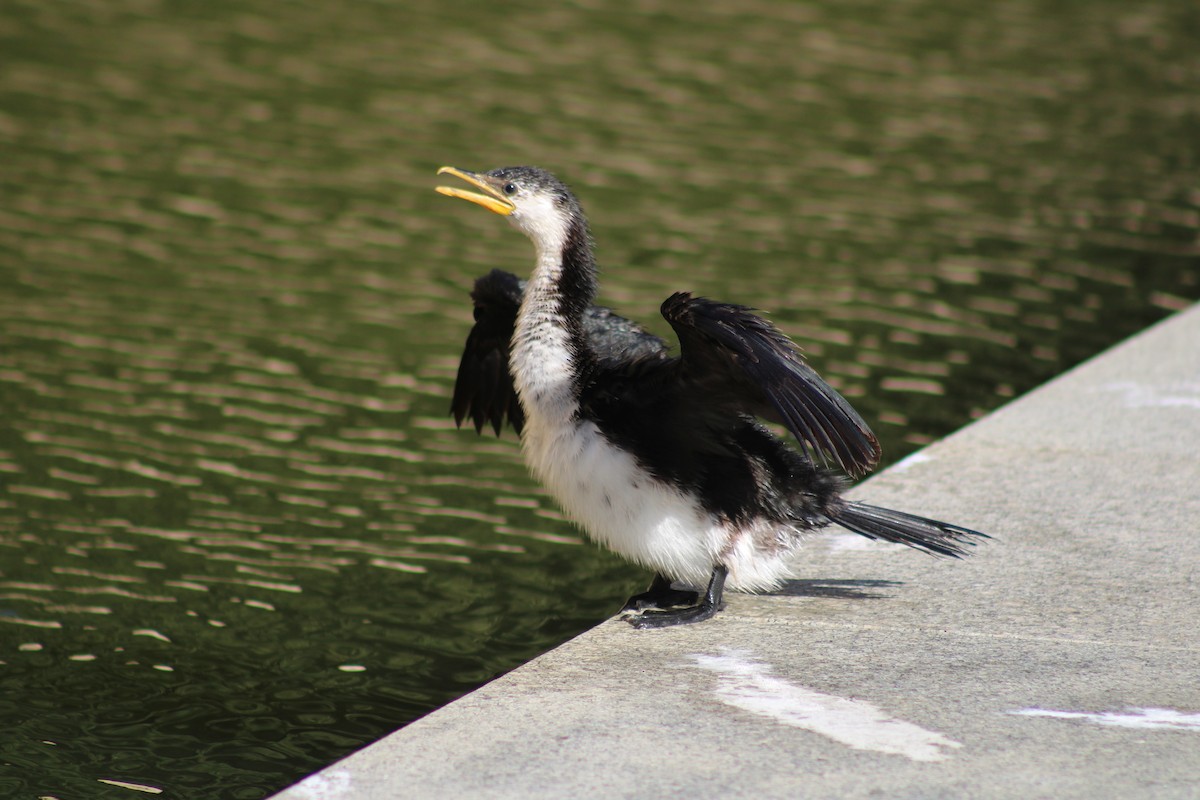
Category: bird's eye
<point>510,188</point>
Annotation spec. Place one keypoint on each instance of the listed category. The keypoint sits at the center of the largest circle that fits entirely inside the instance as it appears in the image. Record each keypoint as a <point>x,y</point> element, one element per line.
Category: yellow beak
<point>492,197</point>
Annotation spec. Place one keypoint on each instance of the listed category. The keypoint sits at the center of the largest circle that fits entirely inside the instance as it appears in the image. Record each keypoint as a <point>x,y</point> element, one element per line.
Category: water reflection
<point>239,536</point>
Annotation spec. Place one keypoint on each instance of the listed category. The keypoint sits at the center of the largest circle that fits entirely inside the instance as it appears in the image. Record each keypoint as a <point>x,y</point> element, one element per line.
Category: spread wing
<point>484,388</point>
<point>734,358</point>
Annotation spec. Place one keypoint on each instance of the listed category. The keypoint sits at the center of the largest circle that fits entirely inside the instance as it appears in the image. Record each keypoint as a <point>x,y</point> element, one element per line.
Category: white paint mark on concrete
<point>1185,394</point>
<point>745,683</point>
<point>328,784</point>
<point>1142,718</point>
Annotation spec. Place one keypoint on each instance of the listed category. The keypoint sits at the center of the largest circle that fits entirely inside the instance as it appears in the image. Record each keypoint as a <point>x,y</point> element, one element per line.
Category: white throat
<point>543,358</point>
<point>543,361</point>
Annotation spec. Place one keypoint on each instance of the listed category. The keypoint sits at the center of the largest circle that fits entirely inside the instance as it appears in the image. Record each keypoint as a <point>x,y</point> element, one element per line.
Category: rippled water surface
<point>239,535</point>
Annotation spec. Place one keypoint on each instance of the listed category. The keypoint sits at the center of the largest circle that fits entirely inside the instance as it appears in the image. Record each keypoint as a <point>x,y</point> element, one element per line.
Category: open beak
<point>490,197</point>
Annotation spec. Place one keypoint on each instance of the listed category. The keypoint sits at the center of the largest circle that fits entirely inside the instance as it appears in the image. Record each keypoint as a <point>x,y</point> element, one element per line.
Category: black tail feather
<point>939,538</point>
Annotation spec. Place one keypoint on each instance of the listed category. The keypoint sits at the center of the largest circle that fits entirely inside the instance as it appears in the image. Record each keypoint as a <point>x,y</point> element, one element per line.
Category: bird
<point>664,458</point>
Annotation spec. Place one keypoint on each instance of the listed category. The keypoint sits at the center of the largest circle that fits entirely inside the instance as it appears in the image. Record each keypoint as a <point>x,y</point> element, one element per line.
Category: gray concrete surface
<point>1062,660</point>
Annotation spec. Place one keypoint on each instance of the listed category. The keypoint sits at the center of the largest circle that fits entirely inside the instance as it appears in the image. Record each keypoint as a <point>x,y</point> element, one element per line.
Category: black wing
<point>734,358</point>
<point>484,388</point>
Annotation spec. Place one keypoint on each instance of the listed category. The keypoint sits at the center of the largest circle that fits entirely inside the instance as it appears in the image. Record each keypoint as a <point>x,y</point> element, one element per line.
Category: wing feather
<point>736,358</point>
<point>483,388</point>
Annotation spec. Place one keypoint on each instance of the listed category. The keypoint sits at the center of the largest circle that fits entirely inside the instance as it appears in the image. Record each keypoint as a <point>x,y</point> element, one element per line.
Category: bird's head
<point>534,201</point>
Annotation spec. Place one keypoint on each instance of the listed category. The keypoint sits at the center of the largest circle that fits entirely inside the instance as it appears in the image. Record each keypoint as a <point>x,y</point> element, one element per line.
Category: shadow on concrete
<point>841,589</point>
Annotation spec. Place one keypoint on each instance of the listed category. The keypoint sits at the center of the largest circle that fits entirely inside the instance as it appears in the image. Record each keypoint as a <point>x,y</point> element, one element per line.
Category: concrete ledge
<point>1062,661</point>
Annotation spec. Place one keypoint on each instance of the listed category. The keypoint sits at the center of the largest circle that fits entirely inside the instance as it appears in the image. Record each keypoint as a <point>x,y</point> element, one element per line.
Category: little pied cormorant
<point>660,457</point>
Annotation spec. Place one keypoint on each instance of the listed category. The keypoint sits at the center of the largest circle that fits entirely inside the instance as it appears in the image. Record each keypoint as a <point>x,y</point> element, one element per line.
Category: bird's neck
<point>566,270</point>
<point>549,349</point>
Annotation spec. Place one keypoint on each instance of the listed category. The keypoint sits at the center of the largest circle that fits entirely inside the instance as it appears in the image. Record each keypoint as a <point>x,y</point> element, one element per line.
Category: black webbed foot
<point>661,595</point>
<point>676,616</point>
<point>706,608</point>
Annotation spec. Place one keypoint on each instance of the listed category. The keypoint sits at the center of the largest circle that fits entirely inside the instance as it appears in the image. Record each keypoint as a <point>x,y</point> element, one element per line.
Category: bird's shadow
<point>839,589</point>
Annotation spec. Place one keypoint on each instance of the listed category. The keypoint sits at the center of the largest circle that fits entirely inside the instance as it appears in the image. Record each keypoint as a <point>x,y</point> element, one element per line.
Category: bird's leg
<point>708,606</point>
<point>661,595</point>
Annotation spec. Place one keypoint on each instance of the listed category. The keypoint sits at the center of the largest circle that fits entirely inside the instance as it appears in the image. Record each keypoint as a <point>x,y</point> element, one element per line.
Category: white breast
<point>620,506</point>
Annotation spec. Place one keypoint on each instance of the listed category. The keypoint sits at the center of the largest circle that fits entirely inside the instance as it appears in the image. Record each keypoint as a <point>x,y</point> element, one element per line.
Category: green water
<point>239,535</point>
